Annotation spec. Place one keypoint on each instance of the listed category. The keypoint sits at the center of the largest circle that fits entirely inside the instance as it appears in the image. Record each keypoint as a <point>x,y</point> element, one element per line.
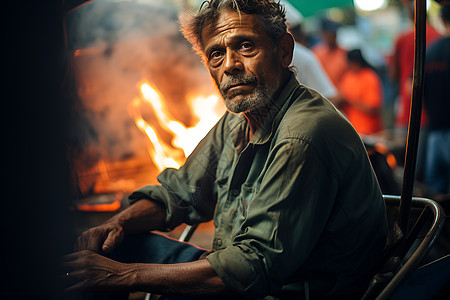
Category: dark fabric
<point>155,248</point>
<point>437,85</point>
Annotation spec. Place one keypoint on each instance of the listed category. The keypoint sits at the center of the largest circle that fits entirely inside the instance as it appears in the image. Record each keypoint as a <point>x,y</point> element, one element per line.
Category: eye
<point>215,55</point>
<point>246,46</point>
<point>215,58</point>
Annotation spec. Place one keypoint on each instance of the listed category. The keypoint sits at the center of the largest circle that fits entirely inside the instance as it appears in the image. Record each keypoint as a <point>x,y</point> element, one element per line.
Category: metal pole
<point>415,114</point>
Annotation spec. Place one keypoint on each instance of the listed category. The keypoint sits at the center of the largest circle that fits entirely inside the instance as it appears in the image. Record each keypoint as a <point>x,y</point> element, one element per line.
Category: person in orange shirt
<point>361,94</point>
<point>332,57</point>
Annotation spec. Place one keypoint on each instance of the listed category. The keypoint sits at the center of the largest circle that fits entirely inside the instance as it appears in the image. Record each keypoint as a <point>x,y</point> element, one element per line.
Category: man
<point>297,209</point>
<point>402,66</point>
<point>437,104</point>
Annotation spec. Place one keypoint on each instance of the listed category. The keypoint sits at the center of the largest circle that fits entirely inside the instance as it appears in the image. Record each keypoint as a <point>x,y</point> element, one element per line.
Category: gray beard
<point>259,98</point>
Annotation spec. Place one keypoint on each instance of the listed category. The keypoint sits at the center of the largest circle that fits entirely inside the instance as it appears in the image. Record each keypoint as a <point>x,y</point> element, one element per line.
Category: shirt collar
<point>271,116</point>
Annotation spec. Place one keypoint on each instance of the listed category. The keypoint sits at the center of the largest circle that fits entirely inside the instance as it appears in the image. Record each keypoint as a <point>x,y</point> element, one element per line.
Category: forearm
<point>144,215</point>
<point>194,279</point>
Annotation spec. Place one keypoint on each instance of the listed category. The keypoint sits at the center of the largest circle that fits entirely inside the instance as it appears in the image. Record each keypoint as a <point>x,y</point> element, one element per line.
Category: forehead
<point>229,24</point>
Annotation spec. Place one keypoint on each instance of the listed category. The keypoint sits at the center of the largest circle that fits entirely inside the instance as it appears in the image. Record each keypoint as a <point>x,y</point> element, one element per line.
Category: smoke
<point>116,45</point>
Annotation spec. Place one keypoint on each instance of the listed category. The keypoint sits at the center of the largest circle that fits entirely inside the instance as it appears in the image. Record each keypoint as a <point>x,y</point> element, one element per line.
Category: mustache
<point>237,79</point>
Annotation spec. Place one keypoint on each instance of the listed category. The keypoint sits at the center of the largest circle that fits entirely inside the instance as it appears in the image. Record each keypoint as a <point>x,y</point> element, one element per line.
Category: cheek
<point>254,67</point>
<point>269,69</point>
<point>215,76</point>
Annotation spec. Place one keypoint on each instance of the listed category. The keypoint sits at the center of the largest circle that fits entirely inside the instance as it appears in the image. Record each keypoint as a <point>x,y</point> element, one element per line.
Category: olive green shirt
<point>297,210</point>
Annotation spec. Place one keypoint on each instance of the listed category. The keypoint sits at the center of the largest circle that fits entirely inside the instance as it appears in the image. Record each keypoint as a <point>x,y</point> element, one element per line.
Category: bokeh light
<point>369,5</point>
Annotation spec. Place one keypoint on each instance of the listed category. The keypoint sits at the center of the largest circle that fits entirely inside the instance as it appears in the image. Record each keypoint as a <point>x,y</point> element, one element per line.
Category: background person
<point>361,95</point>
<point>402,66</point>
<point>332,57</point>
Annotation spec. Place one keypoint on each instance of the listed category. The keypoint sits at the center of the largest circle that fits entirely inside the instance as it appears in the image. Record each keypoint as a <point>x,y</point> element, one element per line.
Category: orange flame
<point>184,139</point>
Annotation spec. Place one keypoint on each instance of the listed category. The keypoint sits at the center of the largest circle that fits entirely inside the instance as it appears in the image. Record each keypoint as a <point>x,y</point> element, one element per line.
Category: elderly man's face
<point>242,61</point>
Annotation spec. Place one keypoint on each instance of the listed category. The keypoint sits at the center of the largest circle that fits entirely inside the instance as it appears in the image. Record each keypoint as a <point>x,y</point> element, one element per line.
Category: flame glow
<point>184,139</point>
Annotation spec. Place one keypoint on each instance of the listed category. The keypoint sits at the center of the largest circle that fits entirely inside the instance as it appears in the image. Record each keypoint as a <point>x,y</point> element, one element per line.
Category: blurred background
<point>105,94</point>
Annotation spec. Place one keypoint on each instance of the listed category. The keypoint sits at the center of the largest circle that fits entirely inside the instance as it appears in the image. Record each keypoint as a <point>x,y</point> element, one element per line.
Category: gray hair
<point>271,14</point>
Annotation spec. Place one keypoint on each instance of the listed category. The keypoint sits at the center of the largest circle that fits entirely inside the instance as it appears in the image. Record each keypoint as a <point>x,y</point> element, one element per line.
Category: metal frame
<point>415,113</point>
<point>421,251</point>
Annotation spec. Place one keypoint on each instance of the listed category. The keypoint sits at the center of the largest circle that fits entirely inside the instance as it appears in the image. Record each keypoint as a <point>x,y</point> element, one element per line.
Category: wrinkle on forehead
<point>229,20</point>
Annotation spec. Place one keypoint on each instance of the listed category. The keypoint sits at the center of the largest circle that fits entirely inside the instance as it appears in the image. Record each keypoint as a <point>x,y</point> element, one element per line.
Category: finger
<point>93,244</point>
<point>71,256</point>
<point>88,240</point>
<point>110,242</point>
<point>70,266</point>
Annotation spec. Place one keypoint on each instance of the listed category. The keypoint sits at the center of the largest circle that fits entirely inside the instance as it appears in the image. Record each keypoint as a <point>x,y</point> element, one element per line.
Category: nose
<point>233,62</point>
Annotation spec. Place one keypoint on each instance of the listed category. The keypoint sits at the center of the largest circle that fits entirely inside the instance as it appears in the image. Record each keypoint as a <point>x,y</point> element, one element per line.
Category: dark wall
<point>36,182</point>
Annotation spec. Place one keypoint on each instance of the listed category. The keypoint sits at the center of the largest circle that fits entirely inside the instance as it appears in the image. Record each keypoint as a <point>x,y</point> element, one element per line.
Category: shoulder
<point>303,51</point>
<point>312,117</point>
<point>313,120</point>
<point>306,62</point>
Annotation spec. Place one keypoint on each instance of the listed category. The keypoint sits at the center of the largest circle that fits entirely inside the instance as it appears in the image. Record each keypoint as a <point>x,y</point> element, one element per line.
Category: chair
<point>404,254</point>
<point>187,233</point>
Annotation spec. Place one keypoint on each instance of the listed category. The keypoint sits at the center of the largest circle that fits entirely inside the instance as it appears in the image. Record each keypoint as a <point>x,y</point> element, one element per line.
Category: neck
<point>257,117</point>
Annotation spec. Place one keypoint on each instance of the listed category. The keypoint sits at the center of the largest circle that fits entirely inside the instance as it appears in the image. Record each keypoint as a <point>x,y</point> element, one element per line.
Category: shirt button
<point>235,192</point>
<point>218,242</point>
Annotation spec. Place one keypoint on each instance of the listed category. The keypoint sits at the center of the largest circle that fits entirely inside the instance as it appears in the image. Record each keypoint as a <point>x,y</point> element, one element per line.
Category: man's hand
<point>103,238</point>
<point>87,270</point>
<point>93,272</point>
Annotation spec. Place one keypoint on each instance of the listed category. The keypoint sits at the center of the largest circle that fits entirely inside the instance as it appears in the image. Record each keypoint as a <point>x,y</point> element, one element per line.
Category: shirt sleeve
<point>284,221</point>
<point>189,194</point>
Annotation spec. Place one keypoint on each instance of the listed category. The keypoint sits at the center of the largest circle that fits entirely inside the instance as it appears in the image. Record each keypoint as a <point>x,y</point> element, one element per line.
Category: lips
<point>236,81</point>
<point>234,86</point>
<point>236,89</point>
<point>237,85</point>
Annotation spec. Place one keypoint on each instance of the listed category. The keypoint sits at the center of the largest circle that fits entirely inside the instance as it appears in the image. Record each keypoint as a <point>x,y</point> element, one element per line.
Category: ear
<point>286,48</point>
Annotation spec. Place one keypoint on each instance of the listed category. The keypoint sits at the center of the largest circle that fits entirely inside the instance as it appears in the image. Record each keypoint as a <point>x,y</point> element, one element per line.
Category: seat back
<point>405,253</point>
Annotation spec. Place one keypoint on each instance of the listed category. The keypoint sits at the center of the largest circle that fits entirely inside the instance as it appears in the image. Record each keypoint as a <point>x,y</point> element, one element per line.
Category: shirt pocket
<point>222,194</point>
<point>245,197</point>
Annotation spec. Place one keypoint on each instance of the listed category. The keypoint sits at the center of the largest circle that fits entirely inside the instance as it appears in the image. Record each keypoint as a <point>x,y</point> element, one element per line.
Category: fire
<point>184,139</point>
